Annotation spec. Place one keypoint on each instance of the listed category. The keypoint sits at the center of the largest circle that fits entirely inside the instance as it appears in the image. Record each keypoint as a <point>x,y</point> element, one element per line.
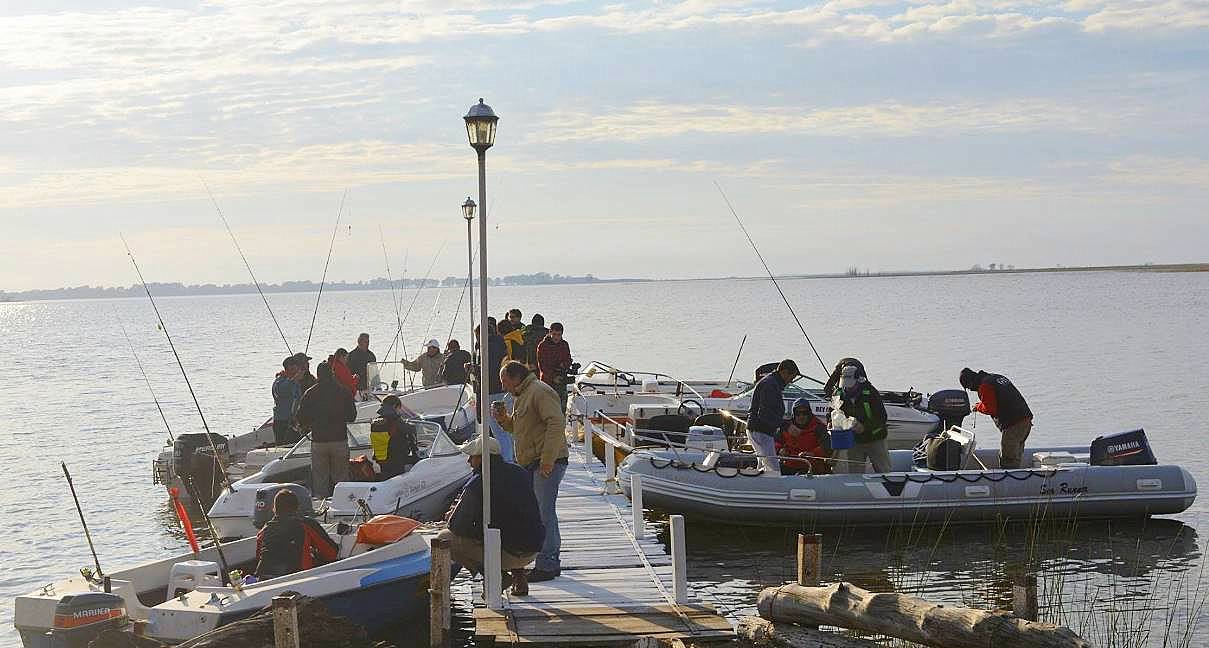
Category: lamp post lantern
<point>480,130</point>
<point>468,214</point>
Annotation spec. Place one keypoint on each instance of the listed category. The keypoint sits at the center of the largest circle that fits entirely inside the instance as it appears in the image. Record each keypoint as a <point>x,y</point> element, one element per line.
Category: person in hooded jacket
<point>999,399</point>
<point>533,334</point>
<point>290,543</point>
<point>860,400</point>
<point>327,408</point>
<point>804,437</point>
<point>393,439</point>
<point>338,362</point>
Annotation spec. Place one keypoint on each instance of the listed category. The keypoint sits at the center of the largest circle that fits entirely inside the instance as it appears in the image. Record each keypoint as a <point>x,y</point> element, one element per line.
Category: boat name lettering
<point>1064,489</point>
<point>1122,447</point>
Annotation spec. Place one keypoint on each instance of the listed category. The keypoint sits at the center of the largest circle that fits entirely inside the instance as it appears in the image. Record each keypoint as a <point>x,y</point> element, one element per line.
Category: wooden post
<point>1024,597</point>
<point>679,572</point>
<point>491,570</point>
<point>285,622</point>
<point>587,426</point>
<point>438,595</point>
<point>636,506</point>
<point>140,627</point>
<point>809,558</point>
<point>610,483</point>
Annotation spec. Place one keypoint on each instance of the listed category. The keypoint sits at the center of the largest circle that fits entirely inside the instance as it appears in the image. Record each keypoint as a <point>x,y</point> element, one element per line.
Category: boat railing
<point>631,379</point>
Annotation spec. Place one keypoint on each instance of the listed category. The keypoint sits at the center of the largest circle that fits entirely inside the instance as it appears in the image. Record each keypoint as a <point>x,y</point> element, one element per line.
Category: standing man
<point>1000,400</point>
<point>286,393</point>
<point>767,415</point>
<point>428,364</point>
<point>496,355</point>
<point>541,448</point>
<point>358,362</point>
<point>453,364</point>
<point>327,408</point>
<point>860,400</point>
<point>306,379</point>
<point>554,361</point>
<point>533,334</point>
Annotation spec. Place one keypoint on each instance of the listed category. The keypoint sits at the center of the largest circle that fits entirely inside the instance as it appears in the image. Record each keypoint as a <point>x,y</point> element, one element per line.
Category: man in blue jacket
<point>286,393</point>
<point>767,415</point>
<point>514,512</point>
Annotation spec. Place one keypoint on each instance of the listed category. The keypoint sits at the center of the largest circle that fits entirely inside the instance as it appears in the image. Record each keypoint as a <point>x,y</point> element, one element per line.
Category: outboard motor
<point>263,511</point>
<point>951,405</point>
<point>1122,449</point>
<point>79,618</point>
<point>205,470</point>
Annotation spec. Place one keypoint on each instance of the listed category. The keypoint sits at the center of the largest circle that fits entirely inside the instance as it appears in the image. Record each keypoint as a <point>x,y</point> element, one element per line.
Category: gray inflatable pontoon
<point>1059,483</point>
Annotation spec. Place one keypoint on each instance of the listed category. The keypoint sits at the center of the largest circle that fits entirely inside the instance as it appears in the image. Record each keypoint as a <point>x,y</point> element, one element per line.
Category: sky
<point>870,133</point>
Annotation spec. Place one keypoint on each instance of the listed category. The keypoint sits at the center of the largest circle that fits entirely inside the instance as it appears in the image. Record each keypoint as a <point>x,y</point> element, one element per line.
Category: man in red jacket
<point>1000,400</point>
<point>554,361</point>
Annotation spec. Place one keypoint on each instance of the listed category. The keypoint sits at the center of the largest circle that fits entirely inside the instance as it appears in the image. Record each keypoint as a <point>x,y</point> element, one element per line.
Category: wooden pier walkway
<point>615,588</point>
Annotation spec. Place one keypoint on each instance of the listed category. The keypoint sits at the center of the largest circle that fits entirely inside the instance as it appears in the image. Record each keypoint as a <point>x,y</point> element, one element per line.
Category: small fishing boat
<point>1115,476</point>
<point>424,492</point>
<point>241,455</point>
<point>185,595</point>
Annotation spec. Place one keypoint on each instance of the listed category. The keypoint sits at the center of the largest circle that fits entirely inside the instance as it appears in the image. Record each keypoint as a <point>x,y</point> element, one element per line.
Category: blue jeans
<point>546,490</point>
<point>500,434</point>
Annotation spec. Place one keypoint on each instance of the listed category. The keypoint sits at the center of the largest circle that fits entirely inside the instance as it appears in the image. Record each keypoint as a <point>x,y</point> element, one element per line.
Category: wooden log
<point>438,595</point>
<point>763,633</point>
<point>285,621</point>
<point>905,617</point>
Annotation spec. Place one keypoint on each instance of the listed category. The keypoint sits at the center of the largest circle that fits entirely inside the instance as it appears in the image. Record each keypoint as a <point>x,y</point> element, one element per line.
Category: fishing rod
<point>736,365</point>
<point>452,324</point>
<point>248,266</point>
<point>138,362</point>
<point>164,328</point>
<point>330,247</point>
<point>88,536</point>
<point>394,297</point>
<point>771,276</point>
<point>416,296</point>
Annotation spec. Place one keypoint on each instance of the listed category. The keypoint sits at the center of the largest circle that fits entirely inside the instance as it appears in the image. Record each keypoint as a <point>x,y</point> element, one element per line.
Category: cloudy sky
<point>876,133</point>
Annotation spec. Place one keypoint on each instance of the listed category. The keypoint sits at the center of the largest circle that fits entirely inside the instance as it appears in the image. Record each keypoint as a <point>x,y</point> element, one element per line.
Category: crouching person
<point>513,511</point>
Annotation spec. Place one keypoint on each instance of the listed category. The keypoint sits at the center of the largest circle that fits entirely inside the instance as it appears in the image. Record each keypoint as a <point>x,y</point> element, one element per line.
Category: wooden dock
<point>616,587</point>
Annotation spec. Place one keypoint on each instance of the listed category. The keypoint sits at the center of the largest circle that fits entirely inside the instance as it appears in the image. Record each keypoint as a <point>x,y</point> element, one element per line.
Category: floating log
<point>905,617</point>
<point>762,633</point>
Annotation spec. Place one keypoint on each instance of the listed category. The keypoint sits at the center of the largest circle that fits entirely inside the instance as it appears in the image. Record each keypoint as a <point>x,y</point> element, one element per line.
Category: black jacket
<point>358,361</point>
<point>497,352</point>
<point>533,335</point>
<point>767,414</point>
<point>513,508</point>
<point>868,408</point>
<point>327,408</point>
<point>291,543</point>
<point>453,369</point>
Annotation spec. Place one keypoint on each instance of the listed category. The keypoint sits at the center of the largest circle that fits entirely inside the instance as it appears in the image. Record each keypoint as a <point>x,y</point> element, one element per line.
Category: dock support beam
<point>285,621</point>
<point>491,570</point>
<point>438,595</point>
<point>679,570</point>
<point>636,506</point>
<point>809,558</point>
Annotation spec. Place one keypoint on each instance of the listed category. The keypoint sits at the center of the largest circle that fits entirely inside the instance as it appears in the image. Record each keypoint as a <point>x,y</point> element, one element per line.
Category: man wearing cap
<point>358,362</point>
<point>860,400</point>
<point>286,394</point>
<point>306,379</point>
<point>428,364</point>
<point>767,415</point>
<point>514,512</point>
<point>538,427</point>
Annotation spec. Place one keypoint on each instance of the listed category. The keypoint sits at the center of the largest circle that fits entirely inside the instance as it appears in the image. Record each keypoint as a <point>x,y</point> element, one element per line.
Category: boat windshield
<point>382,374</point>
<point>358,438</point>
<point>431,439</point>
<point>793,391</point>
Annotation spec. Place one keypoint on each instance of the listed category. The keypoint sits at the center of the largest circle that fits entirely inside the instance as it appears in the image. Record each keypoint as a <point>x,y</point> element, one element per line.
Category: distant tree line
<point>380,283</point>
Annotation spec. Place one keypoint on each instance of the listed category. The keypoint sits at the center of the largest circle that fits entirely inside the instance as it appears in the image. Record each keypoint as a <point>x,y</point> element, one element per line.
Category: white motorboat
<point>423,492</point>
<point>186,595</point>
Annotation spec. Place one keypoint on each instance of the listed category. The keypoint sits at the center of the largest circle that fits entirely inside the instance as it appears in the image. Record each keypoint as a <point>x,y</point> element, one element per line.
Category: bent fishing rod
<point>184,374</point>
<point>248,266</point>
<point>87,536</point>
<point>138,362</point>
<point>772,277</point>
<point>331,246</point>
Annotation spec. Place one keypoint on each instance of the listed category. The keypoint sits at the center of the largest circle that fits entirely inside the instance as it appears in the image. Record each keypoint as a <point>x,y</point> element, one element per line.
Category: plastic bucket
<point>842,439</point>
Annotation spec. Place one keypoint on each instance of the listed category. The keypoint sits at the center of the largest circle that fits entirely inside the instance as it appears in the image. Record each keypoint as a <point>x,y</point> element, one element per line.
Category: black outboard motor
<point>951,405</point>
<point>187,445</point>
<point>1122,449</point>
<point>263,511</point>
<point>79,618</point>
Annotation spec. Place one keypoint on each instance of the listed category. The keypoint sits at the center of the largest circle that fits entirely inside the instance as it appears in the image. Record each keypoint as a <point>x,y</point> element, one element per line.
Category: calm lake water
<point>1093,353</point>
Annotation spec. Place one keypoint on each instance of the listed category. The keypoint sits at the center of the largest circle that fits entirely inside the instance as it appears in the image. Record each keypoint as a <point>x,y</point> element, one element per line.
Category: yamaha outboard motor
<point>263,511</point>
<point>951,405</point>
<point>1122,449</point>
<point>79,618</point>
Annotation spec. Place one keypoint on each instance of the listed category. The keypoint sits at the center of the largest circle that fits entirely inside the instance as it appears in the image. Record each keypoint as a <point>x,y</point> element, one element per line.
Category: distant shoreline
<point>182,290</point>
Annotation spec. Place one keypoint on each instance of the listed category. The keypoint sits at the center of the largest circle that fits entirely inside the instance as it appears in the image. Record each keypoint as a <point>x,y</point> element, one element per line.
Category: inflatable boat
<point>1116,476</point>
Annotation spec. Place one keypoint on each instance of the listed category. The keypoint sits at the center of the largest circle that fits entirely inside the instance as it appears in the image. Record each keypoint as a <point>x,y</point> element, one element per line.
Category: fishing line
<point>322,281</point>
<point>247,265</point>
<point>146,380</point>
<point>394,297</point>
<point>180,364</point>
<point>465,285</point>
<point>771,276</point>
<point>418,289</point>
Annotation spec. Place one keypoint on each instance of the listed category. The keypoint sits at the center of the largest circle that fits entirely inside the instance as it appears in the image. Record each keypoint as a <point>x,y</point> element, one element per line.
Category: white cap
<point>433,343</point>
<point>474,446</point>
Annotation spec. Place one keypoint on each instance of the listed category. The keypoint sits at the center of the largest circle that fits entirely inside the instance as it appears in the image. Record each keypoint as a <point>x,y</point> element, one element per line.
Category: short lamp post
<point>468,214</point>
